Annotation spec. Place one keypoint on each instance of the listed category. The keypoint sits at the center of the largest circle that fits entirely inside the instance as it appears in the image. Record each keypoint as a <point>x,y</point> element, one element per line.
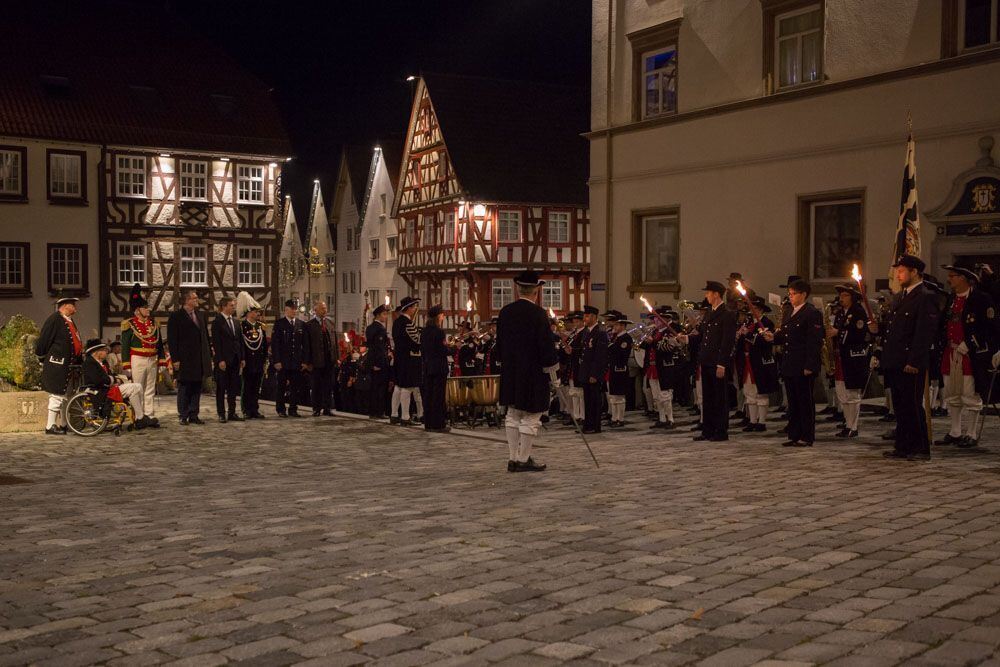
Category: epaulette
<point>126,324</point>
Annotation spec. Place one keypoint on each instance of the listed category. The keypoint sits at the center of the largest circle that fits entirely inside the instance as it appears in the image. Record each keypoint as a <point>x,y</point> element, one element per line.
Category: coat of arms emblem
<point>984,198</point>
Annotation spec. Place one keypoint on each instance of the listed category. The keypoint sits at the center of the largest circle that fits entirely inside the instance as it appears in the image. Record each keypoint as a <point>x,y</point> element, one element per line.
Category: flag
<point>907,241</point>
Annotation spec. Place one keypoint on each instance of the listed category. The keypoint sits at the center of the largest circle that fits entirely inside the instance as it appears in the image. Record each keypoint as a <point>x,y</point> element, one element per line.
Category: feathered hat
<point>136,299</point>
<point>245,303</point>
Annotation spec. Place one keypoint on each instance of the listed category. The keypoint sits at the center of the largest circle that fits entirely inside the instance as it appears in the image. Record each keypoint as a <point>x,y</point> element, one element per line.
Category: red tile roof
<point>76,73</point>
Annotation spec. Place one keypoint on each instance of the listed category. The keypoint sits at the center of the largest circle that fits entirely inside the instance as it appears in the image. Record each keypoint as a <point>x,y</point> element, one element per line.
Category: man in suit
<point>190,354</point>
<point>802,337</point>
<point>593,369</point>
<point>528,365</point>
<point>717,335</point>
<point>288,359</point>
<point>227,354</point>
<point>58,346</point>
<point>377,362</point>
<point>434,353</point>
<point>321,357</point>
<point>406,343</point>
<point>913,324</point>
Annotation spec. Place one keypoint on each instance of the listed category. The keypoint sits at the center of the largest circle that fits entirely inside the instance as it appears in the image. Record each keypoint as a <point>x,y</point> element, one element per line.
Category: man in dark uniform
<point>227,353</point>
<point>849,336</point>
<point>619,352</point>
<point>972,333</point>
<point>491,361</point>
<point>58,345</point>
<point>190,354</point>
<point>593,368</point>
<point>759,372</point>
<point>254,353</point>
<point>715,351</point>
<point>406,343</point>
<point>802,337</point>
<point>434,354</point>
<point>288,358</point>
<point>321,357</point>
<point>468,351</point>
<point>528,365</point>
<point>377,362</point>
<point>905,356</point>
<point>668,366</point>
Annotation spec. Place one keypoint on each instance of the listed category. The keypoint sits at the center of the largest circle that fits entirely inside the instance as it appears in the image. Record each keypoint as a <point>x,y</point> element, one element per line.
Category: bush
<point>18,364</point>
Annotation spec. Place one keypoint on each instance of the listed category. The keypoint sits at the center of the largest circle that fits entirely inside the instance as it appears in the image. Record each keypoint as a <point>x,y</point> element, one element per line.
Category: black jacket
<point>524,343</point>
<point>594,360</point>
<point>981,329</point>
<point>320,346</point>
<point>54,348</point>
<point>434,352</point>
<point>913,324</point>
<point>189,345</point>
<point>227,344</point>
<point>802,335</point>
<point>377,342</point>
<point>254,347</point>
<point>718,337</point>
<point>406,341</point>
<point>287,343</point>
<point>619,351</point>
<point>761,356</point>
<point>853,347</point>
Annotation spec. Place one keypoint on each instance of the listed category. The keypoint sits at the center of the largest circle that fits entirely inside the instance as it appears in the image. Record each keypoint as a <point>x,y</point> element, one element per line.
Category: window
<point>410,227</point>
<point>392,294</point>
<point>373,245</point>
<point>509,223</point>
<point>656,248</point>
<point>979,23</point>
<point>67,268</point>
<point>194,265</point>
<point>130,174</point>
<point>798,47</point>
<point>66,175</point>
<point>343,280</point>
<point>354,283</point>
<point>250,184</point>
<point>446,294</point>
<point>250,267</point>
<point>13,172</point>
<point>503,292</point>
<point>831,233</point>
<point>428,222</point>
<point>131,263</point>
<point>194,180</point>
<point>654,70</point>
<point>14,270</point>
<point>463,295</point>
<point>348,238</point>
<point>382,204</point>
<point>552,292</point>
<point>558,227</point>
<point>390,248</point>
<point>331,264</point>
<point>372,297</point>
<point>449,228</point>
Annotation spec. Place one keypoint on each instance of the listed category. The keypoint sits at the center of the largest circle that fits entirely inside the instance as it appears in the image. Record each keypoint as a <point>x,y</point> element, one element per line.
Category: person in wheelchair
<point>97,374</point>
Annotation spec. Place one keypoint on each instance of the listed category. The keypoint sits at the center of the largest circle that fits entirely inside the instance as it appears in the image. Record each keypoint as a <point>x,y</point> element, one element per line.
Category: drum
<point>485,390</point>
<point>456,392</point>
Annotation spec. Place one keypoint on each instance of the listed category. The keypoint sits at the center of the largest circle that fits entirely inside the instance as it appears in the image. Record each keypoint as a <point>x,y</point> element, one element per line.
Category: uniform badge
<point>990,313</point>
<point>624,345</point>
<point>972,318</point>
<point>859,324</point>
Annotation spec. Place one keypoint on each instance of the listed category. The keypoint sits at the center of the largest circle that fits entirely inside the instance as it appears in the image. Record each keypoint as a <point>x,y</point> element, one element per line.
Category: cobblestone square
<point>339,541</point>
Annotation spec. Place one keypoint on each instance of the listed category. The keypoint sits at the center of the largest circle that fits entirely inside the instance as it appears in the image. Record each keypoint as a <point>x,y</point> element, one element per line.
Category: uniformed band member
<point>57,347</point>
<point>321,359</point>
<point>377,362</point>
<point>715,350</point>
<point>971,331</point>
<point>407,368</point>
<point>619,352</point>
<point>491,361</point>
<point>528,365</point>
<point>849,336</point>
<point>142,350</point>
<point>905,356</point>
<point>254,353</point>
<point>288,359</point>
<point>434,355</point>
<point>665,371</point>
<point>593,368</point>
<point>227,353</point>
<point>802,338</point>
<point>572,352</point>
<point>759,373</point>
<point>97,374</point>
<point>468,351</point>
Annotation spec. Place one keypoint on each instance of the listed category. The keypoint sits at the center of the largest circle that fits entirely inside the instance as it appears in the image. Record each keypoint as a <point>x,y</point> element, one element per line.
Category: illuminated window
<point>194,180</point>
<point>373,246</point>
<point>12,171</point>
<point>130,175</point>
<point>131,263</point>
<point>552,295</point>
<point>798,46</point>
<point>194,265</point>
<point>502,292</point>
<point>250,267</point>
<point>390,248</point>
<point>558,227</point>
<point>449,228</point>
<point>659,81</point>
<point>66,175</point>
<point>510,225</point>
<point>250,184</point>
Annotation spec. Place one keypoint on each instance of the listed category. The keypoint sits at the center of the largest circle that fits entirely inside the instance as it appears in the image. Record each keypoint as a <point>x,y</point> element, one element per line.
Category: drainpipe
<point>608,164</point>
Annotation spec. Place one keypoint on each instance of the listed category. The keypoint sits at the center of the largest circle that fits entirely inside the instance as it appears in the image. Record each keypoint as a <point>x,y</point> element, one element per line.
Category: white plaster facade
<point>316,280</point>
<point>347,223</point>
<point>379,277</point>
<point>735,164</point>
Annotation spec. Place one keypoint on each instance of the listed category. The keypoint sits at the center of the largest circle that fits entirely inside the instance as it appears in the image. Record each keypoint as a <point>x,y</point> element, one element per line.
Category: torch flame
<point>739,288</point>
<point>387,300</point>
<point>855,273</point>
<point>645,303</point>
<point>552,314</point>
<point>468,305</point>
<point>347,339</point>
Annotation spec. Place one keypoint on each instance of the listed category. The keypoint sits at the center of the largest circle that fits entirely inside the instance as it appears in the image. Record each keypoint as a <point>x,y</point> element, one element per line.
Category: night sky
<point>339,68</point>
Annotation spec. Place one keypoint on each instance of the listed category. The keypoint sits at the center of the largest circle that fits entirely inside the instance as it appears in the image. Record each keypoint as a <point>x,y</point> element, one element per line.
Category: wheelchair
<point>88,414</point>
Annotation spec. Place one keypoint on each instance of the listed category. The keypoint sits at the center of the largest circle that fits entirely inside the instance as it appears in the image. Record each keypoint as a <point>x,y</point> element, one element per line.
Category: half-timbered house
<point>311,273</point>
<point>493,180</point>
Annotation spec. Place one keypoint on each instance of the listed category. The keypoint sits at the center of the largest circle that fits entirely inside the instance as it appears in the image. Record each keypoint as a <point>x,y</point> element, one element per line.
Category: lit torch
<point>387,302</point>
<point>657,316</point>
<point>347,339</point>
<point>552,314</point>
<point>856,274</point>
<point>743,292</point>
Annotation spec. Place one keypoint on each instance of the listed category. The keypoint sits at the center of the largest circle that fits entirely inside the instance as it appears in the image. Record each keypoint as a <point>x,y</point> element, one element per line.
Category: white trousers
<point>55,416</point>
<point>616,404</point>
<point>522,428</point>
<point>756,403</point>
<point>144,372</point>
<point>850,403</point>
<point>575,395</point>
<point>663,399</point>
<point>134,393</point>
<point>962,400</point>
<point>647,392</point>
<point>401,401</point>
<point>698,399</point>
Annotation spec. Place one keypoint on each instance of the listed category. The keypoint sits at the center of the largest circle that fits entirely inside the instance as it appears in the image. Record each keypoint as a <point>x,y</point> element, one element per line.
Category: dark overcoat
<point>853,346</point>
<point>762,361</point>
<point>524,343</point>
<point>189,345</point>
<point>619,351</point>
<point>912,326</point>
<point>802,338</point>
<point>406,341</point>
<point>54,348</point>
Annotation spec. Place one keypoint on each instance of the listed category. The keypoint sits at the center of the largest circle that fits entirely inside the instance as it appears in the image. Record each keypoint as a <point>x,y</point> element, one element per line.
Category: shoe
<point>656,424</point>
<point>222,419</point>
<point>140,423</point>
<point>196,420</point>
<point>511,466</point>
<point>443,429</point>
<point>294,414</point>
<point>154,422</point>
<point>235,418</point>
<point>393,420</point>
<point>55,430</point>
<point>966,442</point>
<point>790,443</point>
<point>530,466</point>
<point>783,430</point>
<point>803,444</point>
<point>283,414</point>
<point>415,420</point>
<point>184,421</point>
<point>696,427</point>
<point>591,431</point>
<point>315,413</point>
<point>949,440</point>
<point>257,416</point>
<point>827,410</point>
<point>721,438</point>
<point>759,428</point>
<point>666,425</point>
<point>616,424</point>
<point>701,438</point>
<point>404,422</point>
<point>893,454</point>
<point>327,413</point>
<point>919,456</point>
<point>749,428</point>
<point>848,433</point>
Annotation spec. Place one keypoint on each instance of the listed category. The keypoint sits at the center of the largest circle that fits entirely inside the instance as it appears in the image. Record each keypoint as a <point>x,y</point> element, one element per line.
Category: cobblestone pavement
<point>338,541</point>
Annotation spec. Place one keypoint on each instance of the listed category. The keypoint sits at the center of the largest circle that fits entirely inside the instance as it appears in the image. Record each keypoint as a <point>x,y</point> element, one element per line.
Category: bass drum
<point>485,390</point>
<point>457,392</point>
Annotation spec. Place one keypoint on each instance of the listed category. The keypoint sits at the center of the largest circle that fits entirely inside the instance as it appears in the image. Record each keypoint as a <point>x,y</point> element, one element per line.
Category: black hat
<point>663,310</point>
<point>465,325</point>
<point>735,276</point>
<point>94,344</point>
<point>573,315</point>
<point>910,262</point>
<point>291,303</point>
<point>960,269</point>
<point>701,305</point>
<point>611,316</point>
<point>760,303</point>
<point>624,320</point>
<point>135,298</point>
<point>434,311</point>
<point>381,308</point>
<point>406,303</point>
<point>493,320</point>
<point>800,286</point>
<point>714,286</point>
<point>114,343</point>
<point>850,289</point>
<point>528,279</point>
<point>591,310</point>
<point>791,279</point>
<point>672,315</point>
<point>934,286</point>
<point>66,299</point>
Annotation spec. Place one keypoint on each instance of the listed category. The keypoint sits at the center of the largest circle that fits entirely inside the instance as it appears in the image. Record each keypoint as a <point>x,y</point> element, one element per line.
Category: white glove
<point>873,364</point>
<point>996,360</point>
<point>556,384</point>
<point>554,377</point>
<point>962,348</point>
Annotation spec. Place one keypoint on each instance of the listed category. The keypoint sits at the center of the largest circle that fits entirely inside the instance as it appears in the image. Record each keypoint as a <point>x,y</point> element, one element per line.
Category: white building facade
<point>768,137</point>
<point>308,274</point>
<point>380,234</point>
<point>345,216</point>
